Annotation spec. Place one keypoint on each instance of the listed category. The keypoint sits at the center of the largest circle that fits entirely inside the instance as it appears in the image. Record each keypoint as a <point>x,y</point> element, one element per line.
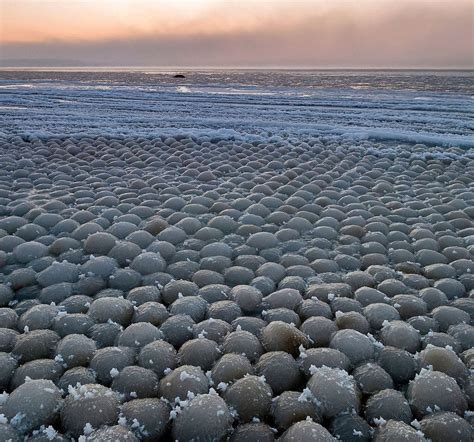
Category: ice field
<point>236,256</point>
<point>429,107</point>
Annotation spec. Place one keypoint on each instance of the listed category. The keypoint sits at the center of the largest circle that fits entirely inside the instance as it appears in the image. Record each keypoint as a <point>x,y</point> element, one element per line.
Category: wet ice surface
<point>229,284</point>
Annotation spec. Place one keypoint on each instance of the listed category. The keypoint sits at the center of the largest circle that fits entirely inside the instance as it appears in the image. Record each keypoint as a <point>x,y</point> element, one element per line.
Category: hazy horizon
<point>85,67</point>
<point>307,34</point>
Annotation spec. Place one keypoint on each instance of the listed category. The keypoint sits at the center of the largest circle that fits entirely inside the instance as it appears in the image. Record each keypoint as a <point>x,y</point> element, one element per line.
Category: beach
<point>236,255</point>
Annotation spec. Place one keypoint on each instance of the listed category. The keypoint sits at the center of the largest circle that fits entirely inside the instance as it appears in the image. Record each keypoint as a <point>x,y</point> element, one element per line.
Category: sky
<point>239,33</point>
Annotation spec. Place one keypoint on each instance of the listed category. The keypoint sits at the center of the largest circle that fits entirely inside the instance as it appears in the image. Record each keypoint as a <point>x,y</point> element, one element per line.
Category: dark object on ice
<point>179,76</point>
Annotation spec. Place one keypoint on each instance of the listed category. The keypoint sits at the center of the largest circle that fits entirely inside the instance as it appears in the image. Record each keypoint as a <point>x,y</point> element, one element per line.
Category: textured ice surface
<point>278,272</point>
<point>424,107</point>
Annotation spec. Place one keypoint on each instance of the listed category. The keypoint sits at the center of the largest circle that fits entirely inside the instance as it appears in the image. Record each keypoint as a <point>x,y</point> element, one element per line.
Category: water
<point>435,107</point>
<point>460,81</point>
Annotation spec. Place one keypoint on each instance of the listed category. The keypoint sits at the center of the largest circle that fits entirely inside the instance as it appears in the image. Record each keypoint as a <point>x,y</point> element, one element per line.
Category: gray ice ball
<point>205,417</point>
<point>91,404</point>
<point>32,404</point>
<point>250,397</point>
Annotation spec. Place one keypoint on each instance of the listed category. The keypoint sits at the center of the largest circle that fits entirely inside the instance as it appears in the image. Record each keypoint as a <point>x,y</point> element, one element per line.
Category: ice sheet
<point>425,108</point>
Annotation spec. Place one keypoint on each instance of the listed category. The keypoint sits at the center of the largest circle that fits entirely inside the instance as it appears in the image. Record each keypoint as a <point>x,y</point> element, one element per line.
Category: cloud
<point>311,33</point>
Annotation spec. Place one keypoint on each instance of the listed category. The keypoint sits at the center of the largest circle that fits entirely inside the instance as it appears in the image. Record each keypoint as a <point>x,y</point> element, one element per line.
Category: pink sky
<point>255,33</point>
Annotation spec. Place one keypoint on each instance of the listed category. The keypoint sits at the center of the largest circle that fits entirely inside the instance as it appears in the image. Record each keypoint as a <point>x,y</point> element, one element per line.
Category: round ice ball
<point>187,378</point>
<point>229,368</point>
<point>205,417</point>
<point>250,397</point>
<point>334,390</point>
<point>307,431</point>
<point>443,426</point>
<point>396,430</point>
<point>75,350</point>
<point>434,391</point>
<point>90,405</point>
<point>110,359</point>
<point>293,406</point>
<point>388,404</point>
<point>444,360</point>
<point>280,336</point>
<point>252,431</point>
<point>372,378</point>
<point>158,356</point>
<point>356,346</point>
<point>106,309</point>
<point>135,382</point>
<point>281,371</point>
<point>29,251</point>
<point>32,404</point>
<point>401,335</point>
<point>200,352</point>
<point>351,427</point>
<point>152,414</point>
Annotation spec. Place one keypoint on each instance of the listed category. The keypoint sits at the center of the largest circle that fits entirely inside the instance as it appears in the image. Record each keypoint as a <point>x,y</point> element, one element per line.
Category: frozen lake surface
<point>431,107</point>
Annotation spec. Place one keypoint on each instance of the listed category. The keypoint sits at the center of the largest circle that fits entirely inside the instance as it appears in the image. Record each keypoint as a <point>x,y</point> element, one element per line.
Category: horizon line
<point>309,68</point>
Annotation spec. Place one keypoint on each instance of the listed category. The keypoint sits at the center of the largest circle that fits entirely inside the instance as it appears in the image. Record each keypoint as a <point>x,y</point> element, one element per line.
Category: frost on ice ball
<point>90,406</point>
<point>112,434</point>
<point>186,378</point>
<point>149,417</point>
<point>334,390</point>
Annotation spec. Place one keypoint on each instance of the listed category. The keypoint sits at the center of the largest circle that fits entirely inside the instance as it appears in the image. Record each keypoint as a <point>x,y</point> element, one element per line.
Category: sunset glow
<point>315,33</point>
